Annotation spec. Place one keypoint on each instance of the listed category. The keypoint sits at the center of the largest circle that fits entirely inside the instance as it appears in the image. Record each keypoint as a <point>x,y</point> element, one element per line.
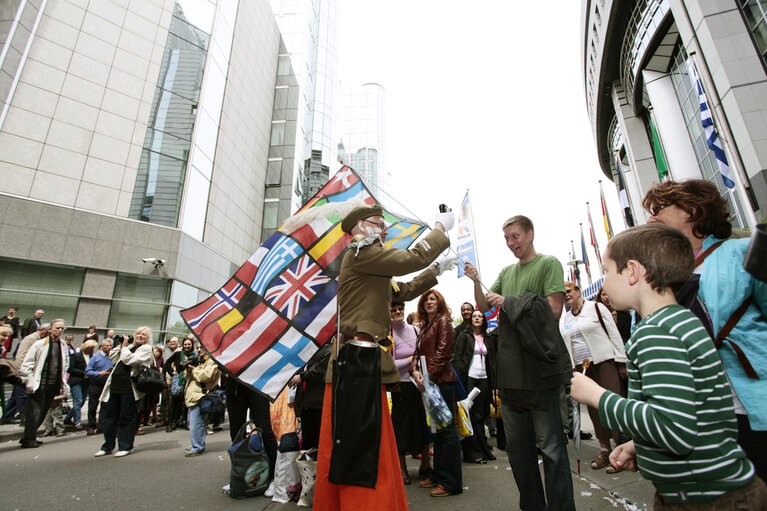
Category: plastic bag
<point>283,416</point>
<point>287,480</point>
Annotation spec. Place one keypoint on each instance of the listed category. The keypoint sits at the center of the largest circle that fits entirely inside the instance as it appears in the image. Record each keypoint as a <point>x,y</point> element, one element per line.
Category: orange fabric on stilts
<point>389,493</point>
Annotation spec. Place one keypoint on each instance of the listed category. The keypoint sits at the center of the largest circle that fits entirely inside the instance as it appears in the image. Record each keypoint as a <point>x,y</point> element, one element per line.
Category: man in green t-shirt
<point>530,391</point>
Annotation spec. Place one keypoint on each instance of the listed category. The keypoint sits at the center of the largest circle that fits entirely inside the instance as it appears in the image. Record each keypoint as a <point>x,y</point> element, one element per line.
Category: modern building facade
<point>304,107</point>
<point>639,61</point>
<point>363,136</point>
<point>134,146</point>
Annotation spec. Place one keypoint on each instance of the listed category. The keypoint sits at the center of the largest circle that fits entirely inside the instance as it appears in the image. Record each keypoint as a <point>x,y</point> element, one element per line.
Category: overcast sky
<point>486,96</point>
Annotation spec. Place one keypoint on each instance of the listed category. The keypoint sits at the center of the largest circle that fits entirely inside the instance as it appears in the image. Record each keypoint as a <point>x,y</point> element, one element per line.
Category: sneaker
<point>91,432</point>
<point>269,493</point>
<point>120,454</point>
<point>30,445</point>
<point>101,453</point>
<point>194,453</point>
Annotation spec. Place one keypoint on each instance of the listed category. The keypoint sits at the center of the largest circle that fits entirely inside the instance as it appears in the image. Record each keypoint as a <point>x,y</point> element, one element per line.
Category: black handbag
<point>148,380</point>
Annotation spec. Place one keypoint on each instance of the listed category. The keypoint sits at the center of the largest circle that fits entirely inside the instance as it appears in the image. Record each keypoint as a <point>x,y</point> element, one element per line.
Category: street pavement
<point>62,474</point>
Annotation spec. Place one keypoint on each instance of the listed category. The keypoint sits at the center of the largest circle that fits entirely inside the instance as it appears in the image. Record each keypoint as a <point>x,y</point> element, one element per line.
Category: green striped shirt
<point>679,410</point>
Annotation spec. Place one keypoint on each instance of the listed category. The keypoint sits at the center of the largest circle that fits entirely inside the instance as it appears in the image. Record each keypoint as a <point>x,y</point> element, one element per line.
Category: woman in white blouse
<point>470,360</point>
<point>589,329</point>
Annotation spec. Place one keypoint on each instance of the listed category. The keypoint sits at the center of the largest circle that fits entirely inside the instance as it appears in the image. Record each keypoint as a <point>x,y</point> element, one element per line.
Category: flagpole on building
<point>593,236</point>
<point>656,136</point>
<point>725,135</point>
<point>605,213</point>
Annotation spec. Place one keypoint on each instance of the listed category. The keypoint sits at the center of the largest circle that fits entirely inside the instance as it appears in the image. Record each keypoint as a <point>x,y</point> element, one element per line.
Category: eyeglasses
<point>654,210</point>
<point>398,308</point>
<point>381,225</point>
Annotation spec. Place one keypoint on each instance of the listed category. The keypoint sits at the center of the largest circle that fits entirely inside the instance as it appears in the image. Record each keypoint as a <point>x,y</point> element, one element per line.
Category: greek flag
<point>712,137</point>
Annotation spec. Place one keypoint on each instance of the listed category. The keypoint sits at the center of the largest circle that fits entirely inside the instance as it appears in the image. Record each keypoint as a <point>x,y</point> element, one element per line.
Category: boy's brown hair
<point>665,253</point>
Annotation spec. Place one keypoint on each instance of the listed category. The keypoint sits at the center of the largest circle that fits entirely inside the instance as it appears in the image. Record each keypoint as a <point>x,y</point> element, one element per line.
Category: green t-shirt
<point>543,276</point>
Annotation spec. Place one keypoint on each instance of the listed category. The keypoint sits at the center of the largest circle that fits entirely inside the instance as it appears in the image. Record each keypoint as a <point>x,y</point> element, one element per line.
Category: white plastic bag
<point>287,480</point>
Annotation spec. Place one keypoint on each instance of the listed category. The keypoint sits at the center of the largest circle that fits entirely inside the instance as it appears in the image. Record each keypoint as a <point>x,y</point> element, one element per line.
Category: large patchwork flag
<point>280,306</point>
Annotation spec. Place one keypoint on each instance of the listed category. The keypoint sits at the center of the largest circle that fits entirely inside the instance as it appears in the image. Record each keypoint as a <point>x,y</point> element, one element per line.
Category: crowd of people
<point>50,371</point>
<point>670,360</point>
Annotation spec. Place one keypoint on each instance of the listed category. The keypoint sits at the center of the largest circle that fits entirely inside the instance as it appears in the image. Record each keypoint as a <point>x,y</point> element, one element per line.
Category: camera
<point>191,361</point>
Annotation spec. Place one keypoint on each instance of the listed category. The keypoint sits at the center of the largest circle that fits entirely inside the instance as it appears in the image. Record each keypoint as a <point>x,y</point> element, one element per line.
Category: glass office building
<point>136,140</point>
<point>637,59</point>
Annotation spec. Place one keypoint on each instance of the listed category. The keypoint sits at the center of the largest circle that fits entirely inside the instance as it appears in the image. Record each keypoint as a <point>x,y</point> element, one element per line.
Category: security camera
<point>149,260</point>
<point>155,261</point>
<point>159,262</point>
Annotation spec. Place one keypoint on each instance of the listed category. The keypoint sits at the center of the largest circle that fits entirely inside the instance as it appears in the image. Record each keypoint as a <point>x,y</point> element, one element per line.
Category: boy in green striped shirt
<point>679,408</point>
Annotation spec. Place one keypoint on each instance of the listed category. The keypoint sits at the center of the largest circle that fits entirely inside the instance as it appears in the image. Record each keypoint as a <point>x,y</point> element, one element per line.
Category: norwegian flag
<point>217,305</point>
<point>296,286</point>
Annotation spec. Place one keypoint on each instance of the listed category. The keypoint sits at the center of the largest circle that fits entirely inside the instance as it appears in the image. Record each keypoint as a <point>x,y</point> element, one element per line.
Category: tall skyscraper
<point>309,32</point>
<point>363,136</point>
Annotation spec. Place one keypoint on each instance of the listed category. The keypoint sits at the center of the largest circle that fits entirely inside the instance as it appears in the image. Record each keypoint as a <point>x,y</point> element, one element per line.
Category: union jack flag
<point>296,286</point>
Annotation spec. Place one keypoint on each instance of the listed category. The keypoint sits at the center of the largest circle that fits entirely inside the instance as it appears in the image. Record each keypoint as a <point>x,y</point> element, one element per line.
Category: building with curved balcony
<point>639,62</point>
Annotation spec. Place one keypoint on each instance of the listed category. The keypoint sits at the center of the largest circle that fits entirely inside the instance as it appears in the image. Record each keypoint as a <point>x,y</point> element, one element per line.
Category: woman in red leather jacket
<point>436,344</point>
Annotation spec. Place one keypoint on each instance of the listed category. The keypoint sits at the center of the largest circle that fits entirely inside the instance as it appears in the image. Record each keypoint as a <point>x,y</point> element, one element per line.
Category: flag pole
<point>605,213</point>
<point>725,135</point>
<point>476,245</point>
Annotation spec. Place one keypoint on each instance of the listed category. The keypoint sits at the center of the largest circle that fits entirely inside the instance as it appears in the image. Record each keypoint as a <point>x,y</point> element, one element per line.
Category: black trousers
<point>239,400</point>
<point>311,420</point>
<point>94,393</point>
<point>36,407</point>
<point>120,422</point>
<point>176,411</point>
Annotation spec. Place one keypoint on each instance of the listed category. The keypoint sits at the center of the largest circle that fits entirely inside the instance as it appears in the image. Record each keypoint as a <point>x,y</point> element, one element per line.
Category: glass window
<point>139,300</point>
<point>53,288</point>
<point>755,16</point>
<point>270,214</point>
<point>690,107</point>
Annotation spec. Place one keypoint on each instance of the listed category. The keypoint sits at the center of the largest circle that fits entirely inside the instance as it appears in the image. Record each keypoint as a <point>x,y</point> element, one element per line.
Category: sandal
<point>613,470</point>
<point>601,462</point>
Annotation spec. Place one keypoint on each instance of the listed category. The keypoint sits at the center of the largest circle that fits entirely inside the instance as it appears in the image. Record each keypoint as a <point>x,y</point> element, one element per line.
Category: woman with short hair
<point>120,394</point>
<point>593,336</point>
<point>722,292</point>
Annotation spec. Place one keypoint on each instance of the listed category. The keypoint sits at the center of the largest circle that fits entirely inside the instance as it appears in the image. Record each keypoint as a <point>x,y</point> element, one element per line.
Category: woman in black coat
<point>470,360</point>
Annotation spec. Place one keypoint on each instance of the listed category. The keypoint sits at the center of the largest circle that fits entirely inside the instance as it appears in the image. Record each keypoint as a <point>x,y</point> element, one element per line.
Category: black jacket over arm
<point>531,352</point>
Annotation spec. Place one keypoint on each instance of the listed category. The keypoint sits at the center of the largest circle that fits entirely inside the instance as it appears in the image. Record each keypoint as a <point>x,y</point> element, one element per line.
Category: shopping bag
<point>307,469</point>
<point>463,420</point>
<point>495,405</point>
<point>283,416</point>
<point>287,480</point>
<point>249,475</point>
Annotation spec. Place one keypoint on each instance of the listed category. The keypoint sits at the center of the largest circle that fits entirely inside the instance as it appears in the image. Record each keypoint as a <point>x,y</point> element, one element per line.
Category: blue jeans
<point>120,420</point>
<point>15,404</point>
<point>196,428</point>
<point>522,429</point>
<point>78,400</point>
<point>447,448</point>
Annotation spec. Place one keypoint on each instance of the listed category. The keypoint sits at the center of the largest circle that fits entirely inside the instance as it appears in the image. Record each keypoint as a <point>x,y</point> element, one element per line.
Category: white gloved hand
<point>447,220</point>
<point>446,263</point>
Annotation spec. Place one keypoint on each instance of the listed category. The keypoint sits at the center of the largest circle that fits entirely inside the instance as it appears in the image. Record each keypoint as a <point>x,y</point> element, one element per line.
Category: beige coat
<point>31,368</point>
<point>205,376</point>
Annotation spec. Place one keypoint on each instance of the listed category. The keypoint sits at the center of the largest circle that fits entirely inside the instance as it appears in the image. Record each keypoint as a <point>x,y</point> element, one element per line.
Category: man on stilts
<point>358,466</point>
